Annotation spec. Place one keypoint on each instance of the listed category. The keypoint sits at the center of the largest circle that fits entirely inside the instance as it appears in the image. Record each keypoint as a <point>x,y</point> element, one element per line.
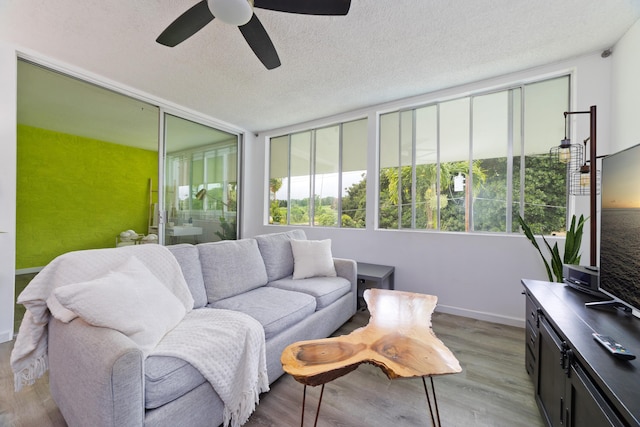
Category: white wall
<point>475,275</point>
<point>625,98</point>
<point>8,79</point>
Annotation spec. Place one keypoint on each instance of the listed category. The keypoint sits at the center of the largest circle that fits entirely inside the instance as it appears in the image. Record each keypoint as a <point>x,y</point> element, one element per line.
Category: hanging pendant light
<point>566,153</point>
<point>580,184</point>
<point>584,176</point>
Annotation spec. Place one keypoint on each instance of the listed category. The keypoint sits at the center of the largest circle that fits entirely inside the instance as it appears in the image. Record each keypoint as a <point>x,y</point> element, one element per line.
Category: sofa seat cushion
<point>168,378</point>
<point>276,309</point>
<point>326,290</point>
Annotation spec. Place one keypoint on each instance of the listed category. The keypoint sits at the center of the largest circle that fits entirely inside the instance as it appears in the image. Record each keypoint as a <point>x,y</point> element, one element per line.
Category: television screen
<point>620,227</point>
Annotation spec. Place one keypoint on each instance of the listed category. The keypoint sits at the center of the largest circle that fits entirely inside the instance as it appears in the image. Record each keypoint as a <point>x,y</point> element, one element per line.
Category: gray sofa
<point>98,377</point>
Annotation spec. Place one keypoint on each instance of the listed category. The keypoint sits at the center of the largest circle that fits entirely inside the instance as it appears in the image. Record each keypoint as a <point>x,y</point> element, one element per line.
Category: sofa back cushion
<point>189,259</point>
<point>231,267</point>
<point>276,252</point>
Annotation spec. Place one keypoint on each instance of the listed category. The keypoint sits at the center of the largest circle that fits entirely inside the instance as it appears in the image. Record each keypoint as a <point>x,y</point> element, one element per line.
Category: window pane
<point>454,162</point>
<point>389,165</point>
<point>220,182</point>
<point>490,142</point>
<point>197,180</point>
<point>426,167</point>
<point>326,177</point>
<point>278,180</point>
<point>354,174</point>
<point>517,178</point>
<point>231,180</point>
<point>545,181</point>
<point>406,170</point>
<point>300,185</point>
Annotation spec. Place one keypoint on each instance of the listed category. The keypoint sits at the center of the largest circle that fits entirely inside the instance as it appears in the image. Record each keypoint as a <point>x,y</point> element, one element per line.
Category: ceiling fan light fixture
<point>234,12</point>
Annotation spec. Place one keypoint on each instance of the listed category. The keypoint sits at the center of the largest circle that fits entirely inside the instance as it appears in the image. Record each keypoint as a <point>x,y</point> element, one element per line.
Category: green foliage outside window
<point>316,163</point>
<point>544,204</point>
<point>451,203</point>
<point>354,205</point>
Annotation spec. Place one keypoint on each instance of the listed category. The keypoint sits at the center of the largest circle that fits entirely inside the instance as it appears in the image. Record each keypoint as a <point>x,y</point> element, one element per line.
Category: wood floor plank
<point>492,390</point>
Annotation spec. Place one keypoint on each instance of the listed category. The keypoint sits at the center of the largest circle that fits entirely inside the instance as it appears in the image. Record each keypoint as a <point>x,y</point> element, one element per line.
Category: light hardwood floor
<point>492,390</point>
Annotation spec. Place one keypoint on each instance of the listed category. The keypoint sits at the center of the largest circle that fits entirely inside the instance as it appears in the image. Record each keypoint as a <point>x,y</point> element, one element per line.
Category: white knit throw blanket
<point>237,339</point>
<point>228,348</point>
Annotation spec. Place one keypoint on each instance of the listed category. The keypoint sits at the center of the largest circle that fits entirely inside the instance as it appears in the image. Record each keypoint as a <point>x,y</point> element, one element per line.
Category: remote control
<point>614,348</point>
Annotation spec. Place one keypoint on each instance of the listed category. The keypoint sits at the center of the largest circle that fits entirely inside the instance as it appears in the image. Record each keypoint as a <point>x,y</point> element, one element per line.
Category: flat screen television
<point>620,229</point>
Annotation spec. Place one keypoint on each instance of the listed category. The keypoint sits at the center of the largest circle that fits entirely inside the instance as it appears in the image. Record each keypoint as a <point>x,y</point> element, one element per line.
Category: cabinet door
<point>588,408</point>
<point>531,350</point>
<point>531,337</point>
<point>551,375</point>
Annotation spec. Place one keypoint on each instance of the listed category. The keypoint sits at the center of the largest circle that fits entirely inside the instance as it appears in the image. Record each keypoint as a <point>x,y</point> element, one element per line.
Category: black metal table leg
<point>319,402</point>
<point>304,396</point>
<point>435,403</point>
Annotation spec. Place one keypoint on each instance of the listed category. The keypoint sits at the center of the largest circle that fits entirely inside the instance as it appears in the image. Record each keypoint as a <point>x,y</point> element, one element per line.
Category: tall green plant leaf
<point>527,232</point>
<point>573,240</point>
<point>556,260</point>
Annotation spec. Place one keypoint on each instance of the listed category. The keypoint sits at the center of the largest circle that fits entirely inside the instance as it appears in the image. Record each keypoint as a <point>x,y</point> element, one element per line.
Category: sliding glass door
<point>89,165</point>
<point>87,160</point>
<point>200,182</point>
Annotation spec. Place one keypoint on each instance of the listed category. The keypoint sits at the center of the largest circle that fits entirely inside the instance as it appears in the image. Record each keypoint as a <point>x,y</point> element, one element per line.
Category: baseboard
<point>30,270</point>
<point>6,336</point>
<point>479,315</point>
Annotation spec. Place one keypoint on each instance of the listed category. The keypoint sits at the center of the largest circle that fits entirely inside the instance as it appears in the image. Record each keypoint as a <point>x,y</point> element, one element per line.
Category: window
<point>475,163</point>
<point>318,177</point>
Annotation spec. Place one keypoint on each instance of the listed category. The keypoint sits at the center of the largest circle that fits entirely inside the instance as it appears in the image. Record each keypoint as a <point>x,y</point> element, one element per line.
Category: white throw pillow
<point>312,258</point>
<point>129,299</point>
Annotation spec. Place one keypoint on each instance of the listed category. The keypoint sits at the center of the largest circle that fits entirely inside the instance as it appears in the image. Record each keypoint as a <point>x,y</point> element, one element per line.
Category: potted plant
<point>572,244</point>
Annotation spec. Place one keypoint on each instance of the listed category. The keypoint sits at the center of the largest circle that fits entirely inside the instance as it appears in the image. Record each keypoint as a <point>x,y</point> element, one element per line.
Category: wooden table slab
<point>398,339</point>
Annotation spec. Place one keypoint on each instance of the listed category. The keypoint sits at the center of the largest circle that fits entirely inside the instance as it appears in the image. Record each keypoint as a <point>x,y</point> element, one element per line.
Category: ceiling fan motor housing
<point>234,12</point>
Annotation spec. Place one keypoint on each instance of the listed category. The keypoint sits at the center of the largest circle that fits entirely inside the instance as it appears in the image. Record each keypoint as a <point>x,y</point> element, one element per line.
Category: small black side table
<point>382,275</point>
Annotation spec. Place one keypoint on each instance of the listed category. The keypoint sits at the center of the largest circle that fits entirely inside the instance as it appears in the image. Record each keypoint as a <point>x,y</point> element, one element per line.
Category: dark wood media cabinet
<point>576,381</point>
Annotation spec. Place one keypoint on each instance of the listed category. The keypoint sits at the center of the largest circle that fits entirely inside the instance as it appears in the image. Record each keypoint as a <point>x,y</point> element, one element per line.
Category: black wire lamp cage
<point>580,178</point>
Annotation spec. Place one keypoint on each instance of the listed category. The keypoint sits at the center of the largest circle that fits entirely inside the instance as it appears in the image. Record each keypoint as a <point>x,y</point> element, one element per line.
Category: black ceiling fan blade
<point>186,25</point>
<point>306,7</point>
<point>260,42</point>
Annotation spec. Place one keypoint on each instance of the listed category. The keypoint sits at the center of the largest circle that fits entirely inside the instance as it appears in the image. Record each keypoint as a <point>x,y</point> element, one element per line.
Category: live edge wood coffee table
<point>398,339</point>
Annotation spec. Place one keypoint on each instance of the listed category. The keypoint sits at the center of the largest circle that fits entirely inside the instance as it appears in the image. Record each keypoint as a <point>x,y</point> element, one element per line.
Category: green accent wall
<point>77,193</point>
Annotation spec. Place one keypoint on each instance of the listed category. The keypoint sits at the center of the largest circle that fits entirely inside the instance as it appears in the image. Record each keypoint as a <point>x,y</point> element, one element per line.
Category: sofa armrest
<point>348,269</point>
<point>96,375</point>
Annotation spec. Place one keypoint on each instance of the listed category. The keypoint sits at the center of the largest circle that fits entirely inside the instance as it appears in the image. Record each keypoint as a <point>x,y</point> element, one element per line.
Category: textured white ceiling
<point>380,51</point>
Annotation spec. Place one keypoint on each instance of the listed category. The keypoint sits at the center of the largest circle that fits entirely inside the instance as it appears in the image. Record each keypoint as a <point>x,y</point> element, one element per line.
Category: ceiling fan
<point>240,13</point>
